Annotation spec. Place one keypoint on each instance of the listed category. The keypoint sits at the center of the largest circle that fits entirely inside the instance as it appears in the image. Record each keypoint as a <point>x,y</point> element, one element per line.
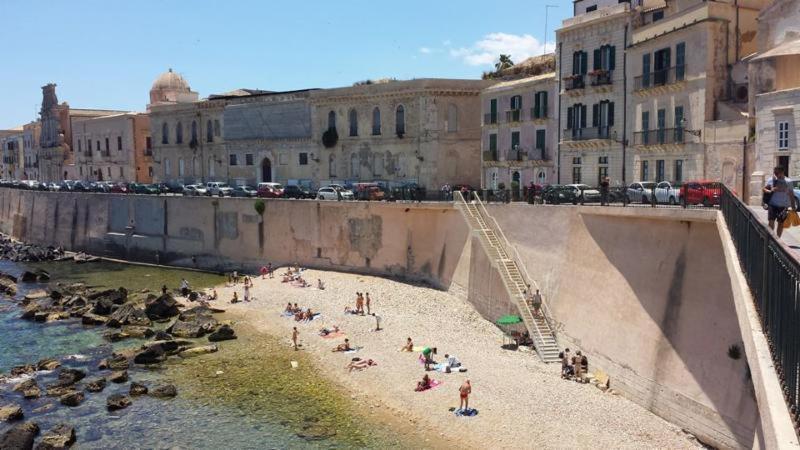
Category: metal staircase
<point>505,257</point>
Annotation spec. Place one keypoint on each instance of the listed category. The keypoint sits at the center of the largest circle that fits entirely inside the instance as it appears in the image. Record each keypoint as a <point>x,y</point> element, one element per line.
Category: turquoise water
<point>246,407</point>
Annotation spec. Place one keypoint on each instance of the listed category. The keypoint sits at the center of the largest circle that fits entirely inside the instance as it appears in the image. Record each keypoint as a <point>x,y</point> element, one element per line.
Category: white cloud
<point>425,50</point>
<point>487,50</point>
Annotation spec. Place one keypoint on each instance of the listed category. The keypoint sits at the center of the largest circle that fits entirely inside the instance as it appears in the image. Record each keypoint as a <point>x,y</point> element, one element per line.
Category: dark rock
<point>40,316</point>
<point>165,391</point>
<point>68,376</point>
<point>120,376</point>
<point>48,364</point>
<point>61,436</point>
<point>115,336</point>
<point>116,402</point>
<point>27,369</point>
<point>137,389</point>
<point>10,413</point>
<point>162,307</point>
<point>198,327</point>
<point>29,311</point>
<point>8,287</point>
<point>128,314</point>
<point>29,389</point>
<point>138,332</point>
<point>57,390</point>
<point>20,437</point>
<point>117,362</point>
<point>114,296</point>
<point>28,277</point>
<point>96,385</point>
<point>223,333</point>
<point>195,312</point>
<point>152,355</point>
<point>93,319</point>
<point>76,301</point>
<point>56,295</point>
<point>103,307</point>
<point>73,398</point>
<point>162,336</point>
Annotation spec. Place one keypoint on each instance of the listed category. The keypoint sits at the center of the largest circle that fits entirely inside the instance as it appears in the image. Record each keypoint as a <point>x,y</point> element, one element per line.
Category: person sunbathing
<point>309,315</point>
<point>289,308</point>
<point>286,279</point>
<point>235,298</point>
<point>326,331</point>
<point>423,385</point>
<point>409,347</point>
<point>360,364</point>
<point>213,294</point>
<point>320,285</point>
<point>343,347</point>
<point>296,309</point>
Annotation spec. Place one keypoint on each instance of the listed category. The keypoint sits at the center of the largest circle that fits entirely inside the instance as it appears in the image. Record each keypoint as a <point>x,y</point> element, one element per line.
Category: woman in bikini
<point>423,385</point>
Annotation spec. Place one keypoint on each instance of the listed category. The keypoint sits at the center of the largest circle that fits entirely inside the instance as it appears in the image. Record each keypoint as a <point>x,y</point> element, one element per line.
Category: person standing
<point>270,271</point>
<point>464,392</point>
<point>369,301</point>
<point>295,334</point>
<point>246,292</point>
<point>781,197</point>
<point>605,185</point>
<point>536,302</point>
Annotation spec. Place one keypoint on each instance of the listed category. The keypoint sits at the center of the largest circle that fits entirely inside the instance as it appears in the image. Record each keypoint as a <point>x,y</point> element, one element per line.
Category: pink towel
<point>333,335</point>
<point>434,384</point>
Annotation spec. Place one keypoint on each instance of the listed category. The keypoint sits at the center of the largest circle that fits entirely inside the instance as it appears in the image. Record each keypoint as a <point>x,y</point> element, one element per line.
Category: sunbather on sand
<point>344,347</point>
<point>320,285</point>
<point>423,385</point>
<point>409,347</point>
<point>289,308</point>
<point>326,331</point>
<point>360,365</point>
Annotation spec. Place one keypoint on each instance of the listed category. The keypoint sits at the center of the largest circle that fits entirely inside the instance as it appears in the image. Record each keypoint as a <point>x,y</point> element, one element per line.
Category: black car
<point>244,191</point>
<point>294,191</point>
<point>556,194</point>
<point>81,186</point>
<point>171,187</point>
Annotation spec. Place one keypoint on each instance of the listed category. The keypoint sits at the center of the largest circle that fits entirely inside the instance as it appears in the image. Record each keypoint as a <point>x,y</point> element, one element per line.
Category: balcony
<point>601,78</point>
<point>490,155</point>
<point>516,154</point>
<point>490,118</point>
<point>663,136</point>
<point>588,133</point>
<point>537,114</point>
<point>658,78</point>
<point>513,115</point>
<point>573,82</point>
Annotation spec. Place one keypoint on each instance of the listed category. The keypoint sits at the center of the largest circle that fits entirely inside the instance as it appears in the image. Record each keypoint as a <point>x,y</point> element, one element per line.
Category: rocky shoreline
<point>170,330</point>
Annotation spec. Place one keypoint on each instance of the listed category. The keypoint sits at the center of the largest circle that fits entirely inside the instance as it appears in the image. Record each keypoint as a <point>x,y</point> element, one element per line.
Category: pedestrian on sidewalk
<point>781,197</point>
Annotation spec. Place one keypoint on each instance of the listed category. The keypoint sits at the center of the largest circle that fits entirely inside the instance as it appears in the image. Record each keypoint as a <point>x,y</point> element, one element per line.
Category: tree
<point>503,63</point>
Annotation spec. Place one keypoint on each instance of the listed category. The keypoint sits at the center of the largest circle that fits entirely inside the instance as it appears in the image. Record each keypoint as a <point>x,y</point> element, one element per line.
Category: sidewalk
<point>791,236</point>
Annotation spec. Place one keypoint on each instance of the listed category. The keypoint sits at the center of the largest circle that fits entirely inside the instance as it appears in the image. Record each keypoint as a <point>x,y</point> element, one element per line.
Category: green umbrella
<point>509,319</point>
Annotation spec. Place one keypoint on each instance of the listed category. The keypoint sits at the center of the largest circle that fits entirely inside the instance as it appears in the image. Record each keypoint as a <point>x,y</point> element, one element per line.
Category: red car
<point>118,188</point>
<point>704,193</point>
<point>269,190</point>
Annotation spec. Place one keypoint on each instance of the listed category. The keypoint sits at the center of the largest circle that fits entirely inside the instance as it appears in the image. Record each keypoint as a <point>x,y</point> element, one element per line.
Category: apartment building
<point>113,148</point>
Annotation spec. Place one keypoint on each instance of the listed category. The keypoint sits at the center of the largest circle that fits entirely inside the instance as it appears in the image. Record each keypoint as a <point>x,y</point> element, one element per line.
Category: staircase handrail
<point>515,256</point>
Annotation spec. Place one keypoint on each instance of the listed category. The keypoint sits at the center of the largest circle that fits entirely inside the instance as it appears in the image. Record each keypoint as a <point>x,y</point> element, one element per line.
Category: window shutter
<point>576,63</point>
<point>611,114</point>
<point>597,63</point>
<point>569,118</point>
<point>583,116</point>
<point>612,58</point>
<point>584,62</point>
<point>543,110</point>
<point>596,115</point>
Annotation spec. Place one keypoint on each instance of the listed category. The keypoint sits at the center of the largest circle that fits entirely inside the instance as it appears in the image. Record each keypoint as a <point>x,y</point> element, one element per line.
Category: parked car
<point>640,191</point>
<point>585,193</point>
<point>368,191</point>
<point>270,190</point>
<point>218,188</point>
<point>295,191</point>
<point>244,191</point>
<point>667,192</point>
<point>327,193</point>
<point>171,187</point>
<point>195,190</point>
<point>702,192</point>
<point>118,188</point>
<point>80,186</point>
<point>141,188</point>
<point>556,194</point>
<point>99,186</point>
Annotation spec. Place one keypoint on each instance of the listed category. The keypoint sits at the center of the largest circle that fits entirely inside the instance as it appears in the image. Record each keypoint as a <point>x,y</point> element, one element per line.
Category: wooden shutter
<point>612,58</point>
<point>583,116</point>
<point>611,114</point>
<point>584,62</point>
<point>543,111</point>
<point>596,115</point>
<point>598,62</point>
<point>570,118</point>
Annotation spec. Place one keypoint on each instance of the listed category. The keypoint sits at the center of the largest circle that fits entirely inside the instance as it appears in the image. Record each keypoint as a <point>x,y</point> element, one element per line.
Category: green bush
<point>260,206</point>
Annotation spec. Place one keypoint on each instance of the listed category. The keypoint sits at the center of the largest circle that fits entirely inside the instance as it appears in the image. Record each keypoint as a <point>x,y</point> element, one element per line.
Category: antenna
<point>546,11</point>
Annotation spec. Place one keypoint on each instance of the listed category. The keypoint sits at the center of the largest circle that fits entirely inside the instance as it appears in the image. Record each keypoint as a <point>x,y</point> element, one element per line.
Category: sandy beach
<point>522,402</point>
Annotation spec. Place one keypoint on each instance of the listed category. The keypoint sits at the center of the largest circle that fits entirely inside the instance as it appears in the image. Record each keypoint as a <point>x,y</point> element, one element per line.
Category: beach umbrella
<point>509,319</point>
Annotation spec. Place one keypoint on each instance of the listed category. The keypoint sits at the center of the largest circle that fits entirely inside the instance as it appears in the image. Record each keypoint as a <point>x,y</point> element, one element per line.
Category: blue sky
<point>106,53</point>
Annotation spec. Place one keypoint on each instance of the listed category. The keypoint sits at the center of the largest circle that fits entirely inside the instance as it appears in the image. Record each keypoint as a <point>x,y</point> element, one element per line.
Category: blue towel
<point>471,412</point>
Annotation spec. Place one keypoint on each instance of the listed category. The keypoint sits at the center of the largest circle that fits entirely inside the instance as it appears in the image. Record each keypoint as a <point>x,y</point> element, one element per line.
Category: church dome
<point>171,81</point>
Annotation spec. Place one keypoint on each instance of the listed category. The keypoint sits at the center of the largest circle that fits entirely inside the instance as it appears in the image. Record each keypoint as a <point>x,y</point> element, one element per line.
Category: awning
<point>787,48</point>
<point>652,5</point>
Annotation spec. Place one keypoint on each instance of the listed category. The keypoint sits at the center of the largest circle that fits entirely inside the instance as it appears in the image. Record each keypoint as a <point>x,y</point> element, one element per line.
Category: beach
<point>521,402</point>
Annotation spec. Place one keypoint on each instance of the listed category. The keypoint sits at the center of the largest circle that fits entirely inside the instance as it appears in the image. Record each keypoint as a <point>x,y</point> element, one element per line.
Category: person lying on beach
<point>286,279</point>
<point>320,285</point>
<point>289,308</point>
<point>349,310</point>
<point>358,364</point>
<point>409,347</point>
<point>235,298</point>
<point>326,331</point>
<point>296,309</point>
<point>344,347</point>
<point>423,385</point>
<point>213,294</point>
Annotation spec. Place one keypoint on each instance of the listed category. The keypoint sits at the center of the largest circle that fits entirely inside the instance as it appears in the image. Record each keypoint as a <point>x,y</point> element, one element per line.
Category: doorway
<point>266,171</point>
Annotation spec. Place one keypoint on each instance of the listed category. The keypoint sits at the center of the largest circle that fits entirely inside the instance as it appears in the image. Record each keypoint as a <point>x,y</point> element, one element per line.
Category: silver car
<point>194,189</point>
<point>667,193</point>
<point>640,191</point>
<point>218,188</point>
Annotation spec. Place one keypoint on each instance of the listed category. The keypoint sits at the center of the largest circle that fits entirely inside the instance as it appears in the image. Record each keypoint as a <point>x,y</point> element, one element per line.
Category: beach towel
<point>314,316</point>
<point>333,335</point>
<point>470,412</point>
<point>434,384</point>
<point>287,314</point>
<point>353,350</point>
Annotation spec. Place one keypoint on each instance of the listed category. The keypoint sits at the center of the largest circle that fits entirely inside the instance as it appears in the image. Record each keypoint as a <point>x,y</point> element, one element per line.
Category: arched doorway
<point>266,171</point>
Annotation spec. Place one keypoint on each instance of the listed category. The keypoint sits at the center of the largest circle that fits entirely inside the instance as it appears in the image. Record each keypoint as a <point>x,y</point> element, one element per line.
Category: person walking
<point>605,185</point>
<point>536,303</point>
<point>464,392</point>
<point>369,301</point>
<point>295,334</point>
<point>781,197</point>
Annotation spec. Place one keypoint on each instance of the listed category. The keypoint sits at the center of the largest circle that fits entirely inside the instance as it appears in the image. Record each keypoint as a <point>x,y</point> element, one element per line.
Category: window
<point>331,120</point>
<point>493,110</point>
<point>492,142</point>
<point>540,105</point>
<point>376,121</point>
<point>645,170</point>
<point>680,61</point>
<point>181,167</point>
<point>602,172</point>
<point>233,160</point>
<point>332,166</point>
<point>119,142</point>
<point>452,118</point>
<point>209,131</point>
<point>660,174</point>
<point>352,118</point>
<point>658,15</point>
<point>603,118</point>
<point>602,160</point>
<point>150,171</point>
<point>98,146</point>
<point>541,144</point>
<point>400,120</point>
<point>303,158</point>
<point>576,160</point>
<point>576,175</point>
<point>179,133</point>
<point>678,176</point>
<point>646,70</point>
<point>248,159</point>
<point>645,127</point>
<point>148,145</point>
<point>516,102</point>
<point>661,63</point>
<point>216,128</point>
<point>79,145</point>
<point>89,146</point>
<point>576,118</point>
<point>194,132</point>
<point>514,140</point>
<point>579,63</point>
<point>783,135</point>
<point>591,8</point>
<point>604,58</point>
<point>167,167</point>
<point>679,132</point>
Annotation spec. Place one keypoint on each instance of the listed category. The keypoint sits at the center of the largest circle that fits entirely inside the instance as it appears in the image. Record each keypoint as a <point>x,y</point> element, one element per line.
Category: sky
<point>105,54</point>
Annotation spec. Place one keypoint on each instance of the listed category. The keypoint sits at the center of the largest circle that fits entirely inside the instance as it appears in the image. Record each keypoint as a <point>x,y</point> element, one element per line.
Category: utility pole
<point>546,17</point>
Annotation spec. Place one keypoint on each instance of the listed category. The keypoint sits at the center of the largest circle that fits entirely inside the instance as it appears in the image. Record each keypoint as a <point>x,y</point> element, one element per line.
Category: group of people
<point>361,301</point>
<point>574,367</point>
<point>298,313</point>
<point>534,299</point>
<point>248,284</point>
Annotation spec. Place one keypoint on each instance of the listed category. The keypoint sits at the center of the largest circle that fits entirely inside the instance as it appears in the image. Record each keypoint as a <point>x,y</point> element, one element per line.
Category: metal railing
<point>660,77</point>
<point>513,115</point>
<point>585,134</point>
<point>774,279</point>
<point>574,82</point>
<point>538,113</point>
<point>489,118</point>
<point>601,78</point>
<point>660,136</point>
<point>516,154</point>
<point>490,155</point>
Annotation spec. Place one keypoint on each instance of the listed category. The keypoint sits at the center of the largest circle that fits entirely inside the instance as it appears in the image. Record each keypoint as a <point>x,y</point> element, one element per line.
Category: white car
<point>589,194</point>
<point>347,194</point>
<point>640,191</point>
<point>195,189</point>
<point>667,193</point>
<point>219,188</point>
<point>331,193</point>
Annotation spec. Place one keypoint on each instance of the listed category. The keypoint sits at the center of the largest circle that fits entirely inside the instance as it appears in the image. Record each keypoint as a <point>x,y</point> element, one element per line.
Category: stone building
<point>688,94</point>
<point>30,155</point>
<point>424,131</point>
<point>592,101</point>
<point>11,144</point>
<point>520,132</point>
<point>775,93</point>
<point>113,148</point>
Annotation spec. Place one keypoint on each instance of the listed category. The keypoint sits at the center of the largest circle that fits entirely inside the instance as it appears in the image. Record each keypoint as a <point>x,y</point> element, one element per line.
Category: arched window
<point>196,167</point>
<point>354,165</point>
<point>179,133</point>
<point>331,120</point>
<point>376,121</point>
<point>211,169</point>
<point>165,133</point>
<point>400,121</point>
<point>209,131</point>
<point>353,119</point>
<point>167,168</point>
<point>194,132</point>
<point>452,118</point>
<point>377,164</point>
<point>181,168</point>
<point>332,166</point>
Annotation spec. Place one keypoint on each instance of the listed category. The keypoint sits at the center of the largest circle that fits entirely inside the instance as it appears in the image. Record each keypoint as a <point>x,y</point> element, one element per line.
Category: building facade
<point>520,132</point>
<point>30,154</point>
<point>592,100</point>
<point>775,94</point>
<point>11,143</point>
<point>113,148</point>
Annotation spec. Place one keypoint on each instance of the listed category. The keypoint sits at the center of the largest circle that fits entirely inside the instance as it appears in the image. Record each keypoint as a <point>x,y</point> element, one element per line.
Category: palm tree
<point>504,63</point>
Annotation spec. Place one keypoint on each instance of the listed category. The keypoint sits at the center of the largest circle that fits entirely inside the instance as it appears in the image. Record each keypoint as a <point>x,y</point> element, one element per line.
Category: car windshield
<point>648,185</point>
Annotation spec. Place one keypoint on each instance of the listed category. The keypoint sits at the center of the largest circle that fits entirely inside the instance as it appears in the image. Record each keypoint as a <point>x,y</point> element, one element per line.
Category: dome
<point>172,81</point>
